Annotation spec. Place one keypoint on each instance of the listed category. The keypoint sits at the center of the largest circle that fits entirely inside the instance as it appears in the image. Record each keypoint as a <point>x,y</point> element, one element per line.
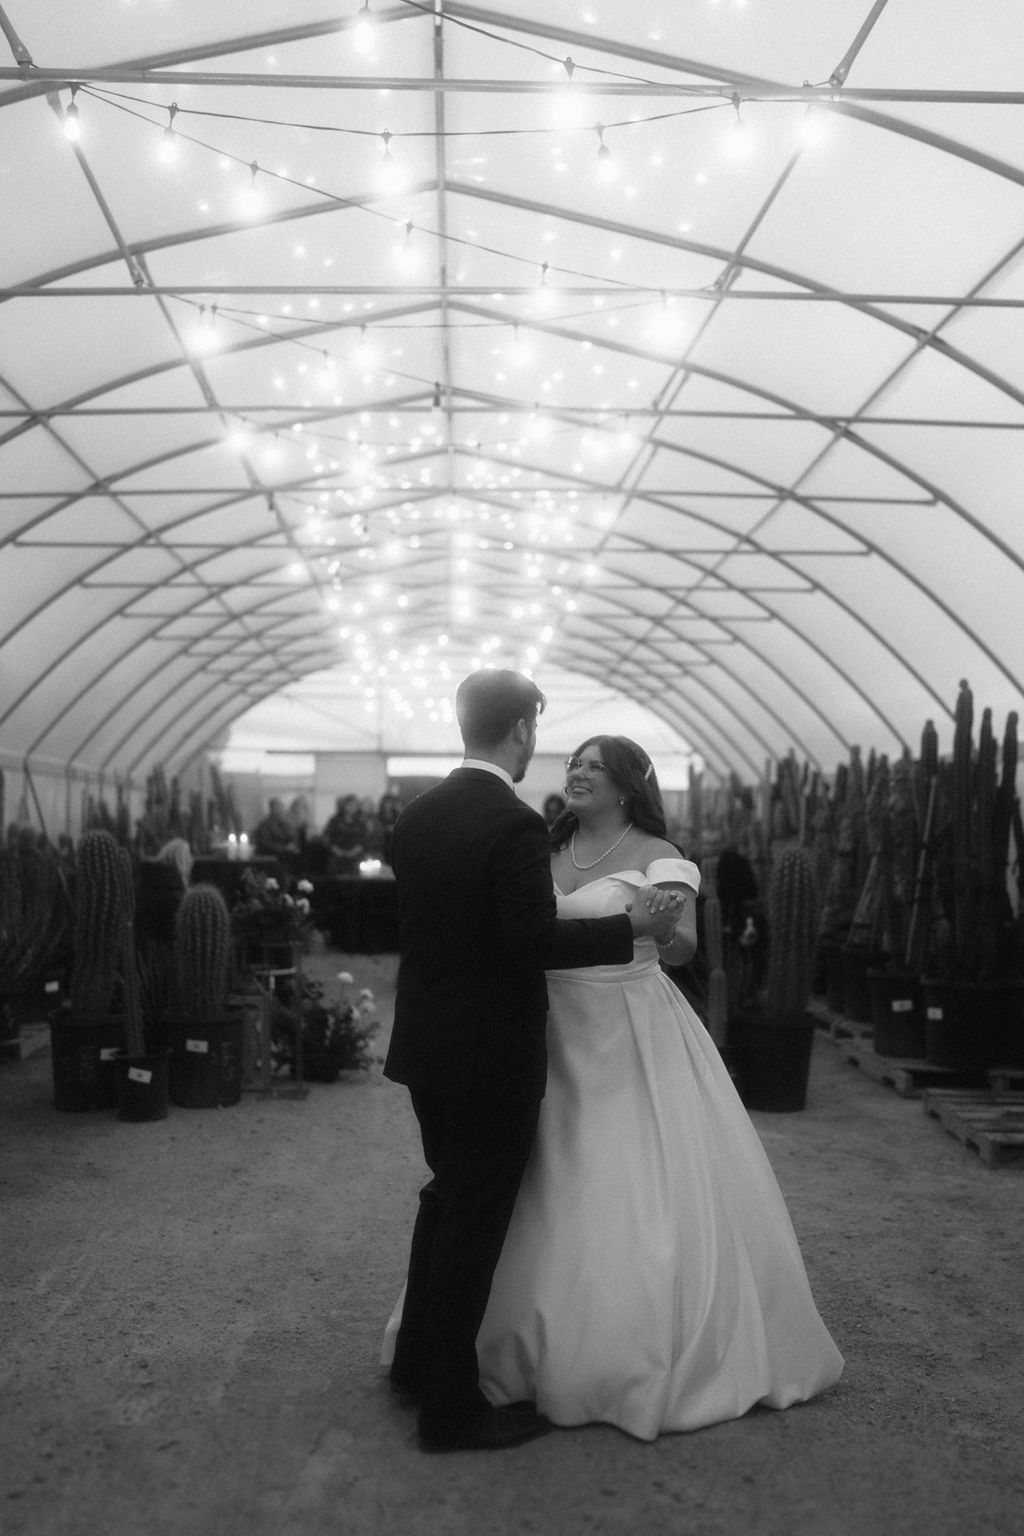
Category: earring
<point>622,799</point>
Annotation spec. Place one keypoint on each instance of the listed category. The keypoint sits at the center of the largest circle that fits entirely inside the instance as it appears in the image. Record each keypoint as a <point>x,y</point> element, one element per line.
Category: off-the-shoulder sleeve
<point>676,871</point>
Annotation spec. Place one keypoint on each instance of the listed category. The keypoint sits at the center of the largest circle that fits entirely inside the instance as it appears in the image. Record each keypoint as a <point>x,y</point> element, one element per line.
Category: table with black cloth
<point>359,916</point>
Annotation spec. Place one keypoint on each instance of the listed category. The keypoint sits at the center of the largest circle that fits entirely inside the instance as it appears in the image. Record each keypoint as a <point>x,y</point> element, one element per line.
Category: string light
<point>739,141</point>
<point>167,151</point>
<point>250,199</point>
<point>364,33</point>
<point>206,336</point>
<point>607,170</point>
<point>520,352</point>
<point>391,176</point>
<point>407,256</point>
<point>365,351</point>
<point>543,296</point>
<point>72,121</point>
<point>814,127</point>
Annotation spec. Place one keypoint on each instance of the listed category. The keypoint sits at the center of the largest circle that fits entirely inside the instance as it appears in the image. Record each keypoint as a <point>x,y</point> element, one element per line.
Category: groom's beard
<point>520,773</point>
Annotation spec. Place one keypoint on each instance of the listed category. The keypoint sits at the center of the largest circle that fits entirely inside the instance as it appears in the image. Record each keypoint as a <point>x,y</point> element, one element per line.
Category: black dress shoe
<point>499,1429</point>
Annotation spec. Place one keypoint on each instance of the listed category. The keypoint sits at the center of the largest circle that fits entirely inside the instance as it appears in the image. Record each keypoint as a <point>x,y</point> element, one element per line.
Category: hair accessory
<point>650,770</point>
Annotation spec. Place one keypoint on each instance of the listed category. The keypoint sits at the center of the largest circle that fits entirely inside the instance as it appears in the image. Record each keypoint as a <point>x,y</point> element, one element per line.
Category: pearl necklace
<point>593,862</point>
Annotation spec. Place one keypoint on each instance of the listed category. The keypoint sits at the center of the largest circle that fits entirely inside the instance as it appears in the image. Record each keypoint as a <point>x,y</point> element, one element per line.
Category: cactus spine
<point>793,925</point>
<point>99,918</point>
<point>203,941</point>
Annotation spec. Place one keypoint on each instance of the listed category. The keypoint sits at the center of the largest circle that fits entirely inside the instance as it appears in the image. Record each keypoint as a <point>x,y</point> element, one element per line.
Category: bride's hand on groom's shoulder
<point>654,913</point>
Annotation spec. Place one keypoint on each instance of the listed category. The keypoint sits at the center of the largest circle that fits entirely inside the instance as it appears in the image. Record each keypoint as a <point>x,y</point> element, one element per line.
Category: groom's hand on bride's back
<point>654,913</point>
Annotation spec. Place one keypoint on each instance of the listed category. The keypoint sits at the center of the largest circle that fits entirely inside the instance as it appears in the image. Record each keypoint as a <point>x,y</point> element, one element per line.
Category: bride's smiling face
<point>589,787</point>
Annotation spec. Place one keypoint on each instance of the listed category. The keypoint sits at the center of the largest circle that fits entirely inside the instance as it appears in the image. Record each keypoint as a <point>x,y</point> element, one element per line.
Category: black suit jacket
<point>478,928</point>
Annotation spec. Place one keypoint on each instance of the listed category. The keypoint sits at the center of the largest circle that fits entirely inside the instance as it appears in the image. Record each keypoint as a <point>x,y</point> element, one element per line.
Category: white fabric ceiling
<point>738,434</point>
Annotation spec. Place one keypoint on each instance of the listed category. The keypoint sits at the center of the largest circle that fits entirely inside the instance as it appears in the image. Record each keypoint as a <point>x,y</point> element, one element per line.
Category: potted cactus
<point>87,1031</point>
<point>905,835</point>
<point>777,1042</point>
<point>974,959</point>
<point>141,1072</point>
<point>206,1060</point>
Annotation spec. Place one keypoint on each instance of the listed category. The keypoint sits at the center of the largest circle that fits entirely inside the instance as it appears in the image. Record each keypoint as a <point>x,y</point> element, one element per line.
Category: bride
<point>650,1277</point>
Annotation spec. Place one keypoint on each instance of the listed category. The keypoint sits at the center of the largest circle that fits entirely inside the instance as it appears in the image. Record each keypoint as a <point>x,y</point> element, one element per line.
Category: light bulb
<point>72,122</point>
<point>365,351</point>
<point>739,141</point>
<point>168,148</point>
<point>206,337</point>
<point>250,203</point>
<point>543,296</point>
<point>407,255</point>
<point>391,174</point>
<point>520,352</point>
<point>814,129</point>
<point>364,33</point>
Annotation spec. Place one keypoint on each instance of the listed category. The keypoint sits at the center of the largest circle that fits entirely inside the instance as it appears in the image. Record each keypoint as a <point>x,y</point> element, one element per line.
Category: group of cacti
<point>104,974</point>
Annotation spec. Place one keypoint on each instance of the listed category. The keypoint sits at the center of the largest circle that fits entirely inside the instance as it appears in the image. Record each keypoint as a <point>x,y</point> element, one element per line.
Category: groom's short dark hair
<point>489,702</point>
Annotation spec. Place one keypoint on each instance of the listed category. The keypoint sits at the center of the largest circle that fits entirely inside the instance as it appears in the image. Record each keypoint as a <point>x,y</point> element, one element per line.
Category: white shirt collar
<point>477,762</point>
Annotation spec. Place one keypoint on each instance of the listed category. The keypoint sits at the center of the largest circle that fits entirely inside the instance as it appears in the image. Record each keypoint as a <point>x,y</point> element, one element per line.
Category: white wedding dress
<point>651,1277</point>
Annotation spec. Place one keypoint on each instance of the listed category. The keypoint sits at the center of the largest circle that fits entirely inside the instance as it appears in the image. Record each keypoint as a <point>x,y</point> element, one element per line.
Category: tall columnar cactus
<point>98,925</point>
<point>134,1033</point>
<point>203,944</point>
<point>718,997</point>
<point>793,926</point>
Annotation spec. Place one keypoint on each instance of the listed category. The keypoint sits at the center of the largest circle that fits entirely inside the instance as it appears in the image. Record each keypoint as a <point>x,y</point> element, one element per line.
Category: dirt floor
<point>192,1310</point>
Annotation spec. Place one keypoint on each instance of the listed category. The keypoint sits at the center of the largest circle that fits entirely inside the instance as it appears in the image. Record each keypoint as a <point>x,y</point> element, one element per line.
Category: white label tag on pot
<point>109,1053</point>
<point>140,1075</point>
<point>935,1013</point>
<point>200,1047</point>
<point>903,1005</point>
<point>52,986</point>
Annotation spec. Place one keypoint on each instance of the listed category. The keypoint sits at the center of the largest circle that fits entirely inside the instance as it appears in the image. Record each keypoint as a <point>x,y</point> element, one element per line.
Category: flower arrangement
<point>336,1031</point>
<point>266,915</point>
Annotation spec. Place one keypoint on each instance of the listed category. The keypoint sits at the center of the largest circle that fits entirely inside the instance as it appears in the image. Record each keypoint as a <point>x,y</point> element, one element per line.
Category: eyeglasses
<point>591,769</point>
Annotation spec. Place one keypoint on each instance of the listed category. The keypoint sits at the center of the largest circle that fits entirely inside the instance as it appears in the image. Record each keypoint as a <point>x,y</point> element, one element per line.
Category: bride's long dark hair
<point>632,773</point>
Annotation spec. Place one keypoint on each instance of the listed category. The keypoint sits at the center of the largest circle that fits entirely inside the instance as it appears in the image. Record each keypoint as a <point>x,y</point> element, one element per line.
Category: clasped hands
<point>654,914</point>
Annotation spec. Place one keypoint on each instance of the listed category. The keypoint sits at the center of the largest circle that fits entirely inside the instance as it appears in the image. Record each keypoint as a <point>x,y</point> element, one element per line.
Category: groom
<point>477,929</point>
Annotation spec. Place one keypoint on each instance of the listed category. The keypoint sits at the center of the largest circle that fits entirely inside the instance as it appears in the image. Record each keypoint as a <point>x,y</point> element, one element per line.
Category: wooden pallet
<point>1006,1079</point>
<point>991,1122</point>
<point>836,1025</point>
<point>908,1078</point>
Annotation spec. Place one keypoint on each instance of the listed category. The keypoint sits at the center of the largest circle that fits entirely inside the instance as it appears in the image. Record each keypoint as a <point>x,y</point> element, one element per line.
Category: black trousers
<point>477,1152</point>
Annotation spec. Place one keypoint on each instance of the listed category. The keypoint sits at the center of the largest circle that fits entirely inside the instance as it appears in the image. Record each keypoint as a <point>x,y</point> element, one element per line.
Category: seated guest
<point>299,817</point>
<point>373,832</point>
<point>388,812</point>
<point>345,835</point>
<point>162,881</point>
<point>275,838</point>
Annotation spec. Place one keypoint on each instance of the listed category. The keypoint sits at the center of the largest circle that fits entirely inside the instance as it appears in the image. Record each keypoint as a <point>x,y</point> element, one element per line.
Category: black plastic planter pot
<point>856,993</point>
<point>142,1087</point>
<point>897,1015</point>
<point>967,1022</point>
<point>84,1058</point>
<point>775,1064</point>
<point>206,1064</point>
<point>832,965</point>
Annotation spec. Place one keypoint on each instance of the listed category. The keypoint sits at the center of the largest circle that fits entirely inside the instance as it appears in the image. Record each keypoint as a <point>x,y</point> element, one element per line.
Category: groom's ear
<point>521,732</point>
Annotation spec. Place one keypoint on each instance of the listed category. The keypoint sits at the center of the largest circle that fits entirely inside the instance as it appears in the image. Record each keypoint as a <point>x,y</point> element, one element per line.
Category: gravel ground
<point>192,1311</point>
